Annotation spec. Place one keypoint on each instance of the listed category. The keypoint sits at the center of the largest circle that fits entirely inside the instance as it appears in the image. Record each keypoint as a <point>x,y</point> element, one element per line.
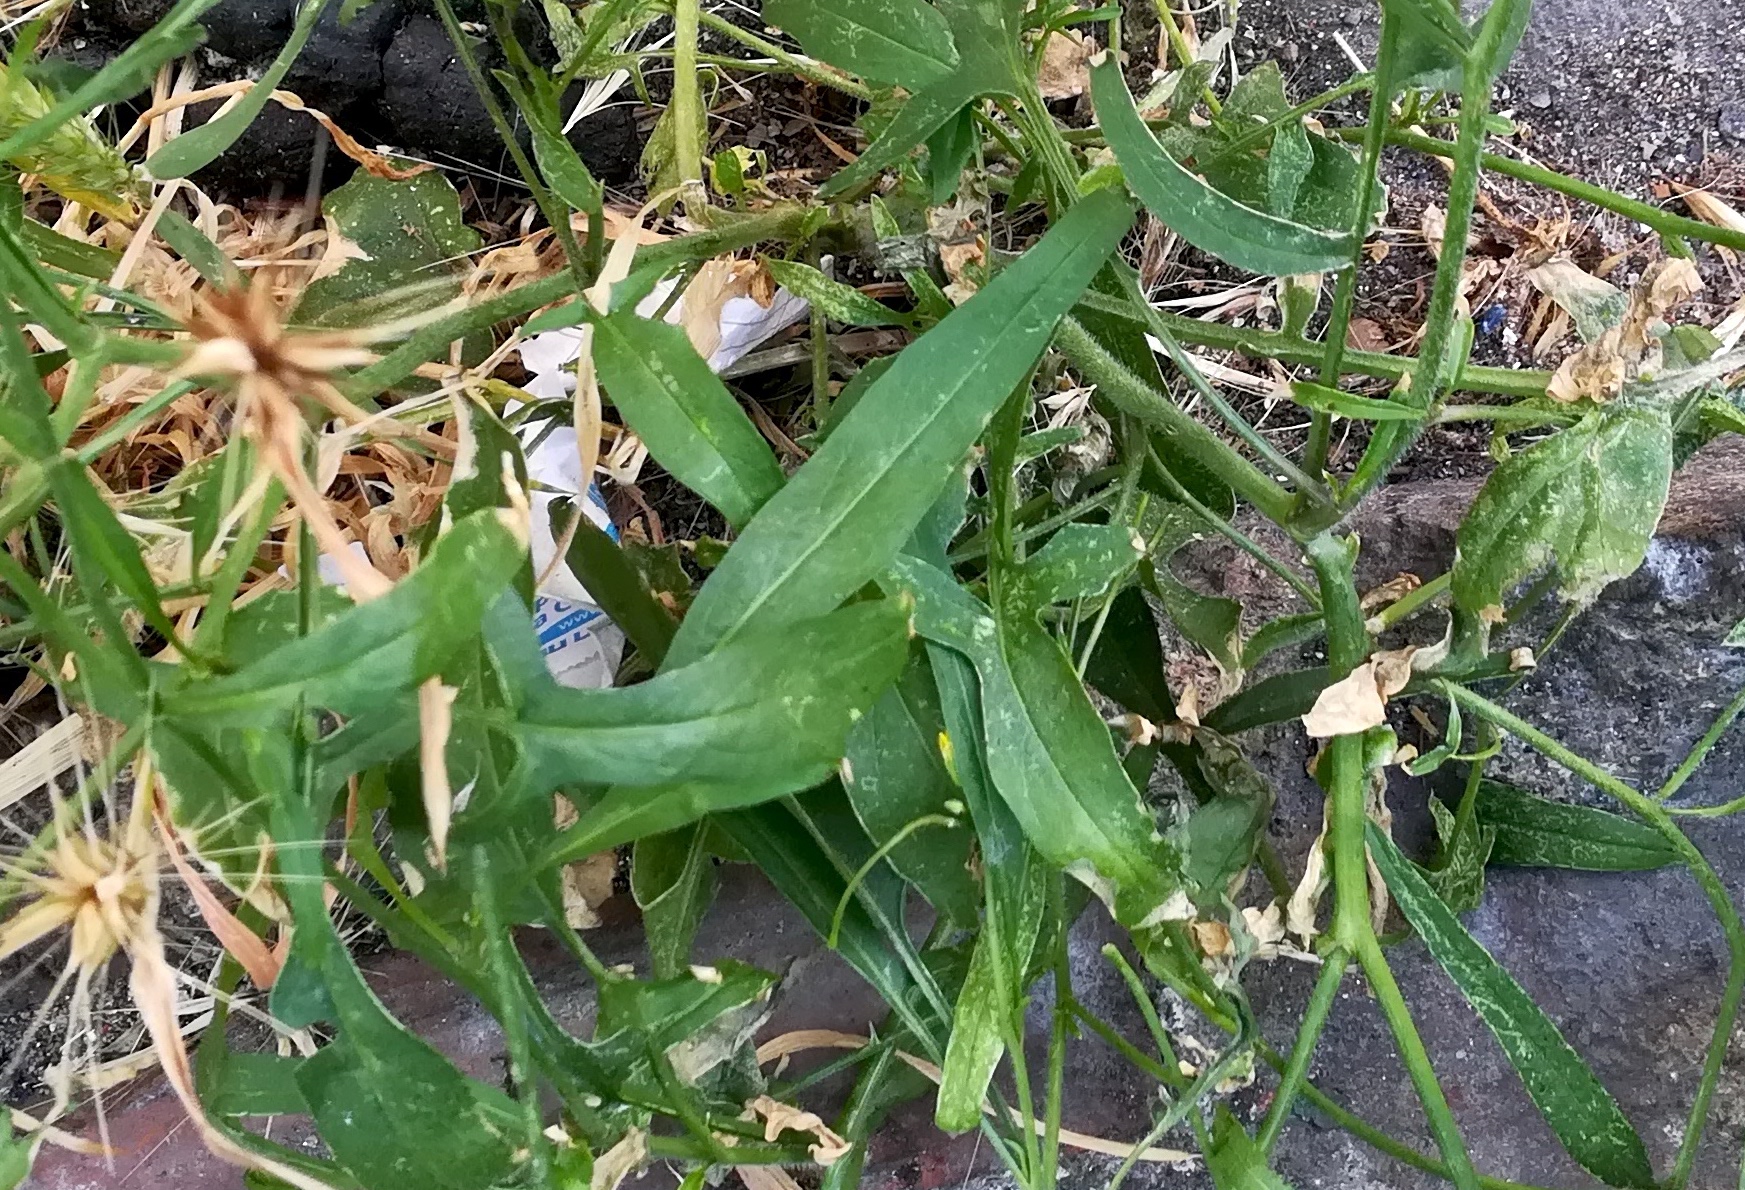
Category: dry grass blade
<point>435,717</point>
<point>808,1039</point>
<point>36,765</point>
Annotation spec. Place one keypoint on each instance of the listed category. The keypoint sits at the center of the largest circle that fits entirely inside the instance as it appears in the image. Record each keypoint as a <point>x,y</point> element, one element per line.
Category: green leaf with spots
<point>411,244</point>
<point>1583,1114</point>
<point>1082,561</point>
<point>1458,876</point>
<point>1586,499</point>
<point>902,42</point>
<point>844,303</point>
<point>1536,832</point>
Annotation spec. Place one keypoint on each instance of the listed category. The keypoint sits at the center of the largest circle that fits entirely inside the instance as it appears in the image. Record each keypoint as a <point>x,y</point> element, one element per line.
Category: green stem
<point>1700,752</point>
<point>1374,1137</point>
<point>1436,370</point>
<point>1402,608</point>
<point>1656,816</point>
<point>1347,646</point>
<point>1183,52</point>
<point>1309,490</point>
<point>1133,396</point>
<point>1314,1020</point>
<point>1289,349</point>
<point>1242,541</point>
<point>1345,291</point>
<point>687,108</point>
<point>556,213</point>
<point>810,71</point>
<point>1351,86</point>
<point>1664,222</point>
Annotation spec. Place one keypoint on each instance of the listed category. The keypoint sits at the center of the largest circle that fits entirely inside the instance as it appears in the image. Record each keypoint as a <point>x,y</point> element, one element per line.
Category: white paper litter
<point>744,324</point>
<point>581,645</point>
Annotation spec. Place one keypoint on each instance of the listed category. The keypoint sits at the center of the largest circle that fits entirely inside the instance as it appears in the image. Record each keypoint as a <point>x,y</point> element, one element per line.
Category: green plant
<point>881,686</point>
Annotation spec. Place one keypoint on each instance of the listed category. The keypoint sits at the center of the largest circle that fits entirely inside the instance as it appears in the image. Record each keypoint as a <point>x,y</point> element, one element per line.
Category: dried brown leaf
<point>1352,704</point>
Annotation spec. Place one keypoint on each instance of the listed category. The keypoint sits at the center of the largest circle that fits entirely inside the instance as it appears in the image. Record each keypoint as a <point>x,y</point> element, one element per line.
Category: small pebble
<point>1540,99</point>
<point>1732,121</point>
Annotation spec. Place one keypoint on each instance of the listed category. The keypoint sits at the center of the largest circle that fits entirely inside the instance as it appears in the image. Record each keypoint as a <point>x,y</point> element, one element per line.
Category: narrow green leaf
<point>1358,408</point>
<point>991,61</point>
<point>1222,835</point>
<point>1585,1117</point>
<point>684,414</point>
<point>64,252</point>
<point>1588,496</point>
<point>1128,663</point>
<point>895,776</point>
<point>672,877</point>
<point>103,550</point>
<point>763,717</point>
<point>1235,1161</point>
<point>1082,561</point>
<point>601,565</point>
<point>904,42</point>
<point>920,118</point>
<point>1458,874</point>
<point>1206,218</point>
<point>1271,700</point>
<point>776,842</point>
<point>1536,832</point>
<point>193,246</point>
<point>978,1039</point>
<point>1049,754</point>
<point>199,147</point>
<point>1281,632</point>
<point>842,302</point>
<point>845,514</point>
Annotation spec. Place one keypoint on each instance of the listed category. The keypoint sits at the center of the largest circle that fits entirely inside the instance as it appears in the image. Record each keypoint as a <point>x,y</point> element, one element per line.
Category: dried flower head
<point>101,889</point>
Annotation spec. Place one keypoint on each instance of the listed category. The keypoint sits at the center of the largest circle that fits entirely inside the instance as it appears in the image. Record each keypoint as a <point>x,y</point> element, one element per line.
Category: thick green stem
<point>1297,1070</point>
<point>1347,646</point>
<point>687,108</point>
<point>1133,396</point>
<point>1656,816</point>
<point>1289,349</point>
<point>1309,489</point>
